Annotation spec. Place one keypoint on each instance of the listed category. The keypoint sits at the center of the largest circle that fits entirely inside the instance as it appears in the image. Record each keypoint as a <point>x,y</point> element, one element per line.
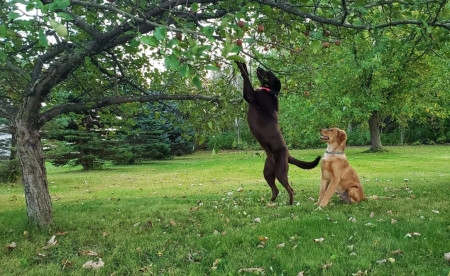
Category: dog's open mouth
<point>324,138</point>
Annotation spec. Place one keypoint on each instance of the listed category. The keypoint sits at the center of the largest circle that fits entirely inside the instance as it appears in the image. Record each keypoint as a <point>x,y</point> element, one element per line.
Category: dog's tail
<point>303,164</point>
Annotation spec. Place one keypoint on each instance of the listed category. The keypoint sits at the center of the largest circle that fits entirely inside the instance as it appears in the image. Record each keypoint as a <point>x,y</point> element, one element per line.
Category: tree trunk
<point>374,126</point>
<point>31,157</point>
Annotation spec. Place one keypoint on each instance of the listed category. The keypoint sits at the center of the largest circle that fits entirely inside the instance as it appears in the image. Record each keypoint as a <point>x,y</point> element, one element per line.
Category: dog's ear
<point>342,138</point>
<point>273,82</point>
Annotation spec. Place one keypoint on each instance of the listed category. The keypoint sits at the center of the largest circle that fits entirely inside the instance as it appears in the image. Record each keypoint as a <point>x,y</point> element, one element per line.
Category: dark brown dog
<point>262,118</point>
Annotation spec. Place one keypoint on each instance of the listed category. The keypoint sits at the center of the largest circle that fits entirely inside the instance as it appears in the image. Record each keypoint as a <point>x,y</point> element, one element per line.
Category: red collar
<point>264,88</point>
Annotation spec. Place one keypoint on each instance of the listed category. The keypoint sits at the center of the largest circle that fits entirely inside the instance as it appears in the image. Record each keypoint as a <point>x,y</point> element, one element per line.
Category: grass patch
<point>186,217</point>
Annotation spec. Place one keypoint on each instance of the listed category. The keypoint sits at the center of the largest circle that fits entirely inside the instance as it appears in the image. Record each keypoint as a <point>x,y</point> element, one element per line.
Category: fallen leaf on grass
<point>66,263</point>
<point>371,215</point>
<point>435,211</point>
<point>173,223</point>
<point>257,220</point>
<point>88,253</point>
<point>301,273</point>
<point>61,233</point>
<point>41,255</point>
<point>396,252</point>
<point>262,238</point>
<point>374,197</point>
<point>194,209</point>
<point>359,273</point>
<point>51,242</point>
<point>389,212</point>
<point>252,269</point>
<point>216,262</point>
<point>409,235</point>
<point>319,240</point>
<point>269,205</point>
<point>447,256</point>
<point>94,265</point>
<point>391,260</point>
<point>393,221</point>
<point>136,224</point>
<point>312,198</point>
<point>326,266</point>
<point>11,246</point>
<point>281,245</point>
<point>104,234</point>
<point>383,261</point>
<point>352,219</point>
<point>240,189</point>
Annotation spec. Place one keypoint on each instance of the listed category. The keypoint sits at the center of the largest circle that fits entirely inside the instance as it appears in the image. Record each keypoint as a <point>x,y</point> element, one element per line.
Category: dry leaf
<point>216,232</point>
<point>216,262</point>
<point>94,265</point>
<point>281,245</point>
<point>269,205</point>
<point>393,221</point>
<point>383,261</point>
<point>359,273</point>
<point>61,233</point>
<point>319,240</point>
<point>88,253</point>
<point>374,197</point>
<point>435,211</point>
<point>397,252</point>
<point>391,260</point>
<point>173,223</point>
<point>11,246</point>
<point>136,224</point>
<point>326,266</point>
<point>41,255</point>
<point>371,214</point>
<point>104,234</point>
<point>295,246</point>
<point>193,209</point>
<point>240,189</point>
<point>389,212</point>
<point>252,269</point>
<point>312,198</point>
<point>51,242</point>
<point>262,238</point>
<point>352,219</point>
<point>224,233</point>
<point>301,273</point>
<point>447,256</point>
<point>257,220</point>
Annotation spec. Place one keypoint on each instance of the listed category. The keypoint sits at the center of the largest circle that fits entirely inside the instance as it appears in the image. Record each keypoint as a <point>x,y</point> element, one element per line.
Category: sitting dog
<point>337,175</point>
<point>262,118</point>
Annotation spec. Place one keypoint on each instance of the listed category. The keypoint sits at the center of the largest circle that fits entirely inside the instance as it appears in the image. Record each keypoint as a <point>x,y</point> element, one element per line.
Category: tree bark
<point>374,126</point>
<point>31,158</point>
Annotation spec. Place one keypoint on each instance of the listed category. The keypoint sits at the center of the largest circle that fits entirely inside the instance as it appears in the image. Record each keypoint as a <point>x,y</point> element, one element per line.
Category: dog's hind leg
<point>269,175</point>
<point>281,172</point>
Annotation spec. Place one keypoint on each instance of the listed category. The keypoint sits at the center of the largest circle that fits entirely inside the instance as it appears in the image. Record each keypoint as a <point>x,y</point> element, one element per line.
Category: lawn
<point>207,214</point>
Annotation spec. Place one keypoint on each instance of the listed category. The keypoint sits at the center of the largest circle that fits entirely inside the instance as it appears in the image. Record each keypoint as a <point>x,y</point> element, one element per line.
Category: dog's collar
<point>264,88</point>
<point>334,152</point>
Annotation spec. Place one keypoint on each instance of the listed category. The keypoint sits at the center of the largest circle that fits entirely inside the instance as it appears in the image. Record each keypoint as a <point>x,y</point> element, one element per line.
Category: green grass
<point>122,200</point>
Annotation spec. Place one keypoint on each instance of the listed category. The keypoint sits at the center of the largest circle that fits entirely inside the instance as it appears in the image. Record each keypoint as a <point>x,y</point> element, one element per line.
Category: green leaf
<point>13,15</point>
<point>60,29</point>
<point>160,33</point>
<point>210,125</point>
<point>194,7</point>
<point>197,82</point>
<point>150,40</point>
<point>3,31</point>
<point>316,46</point>
<point>42,38</point>
<point>212,68</point>
<point>184,70</point>
<point>208,31</point>
<point>236,58</point>
<point>236,49</point>
<point>171,62</point>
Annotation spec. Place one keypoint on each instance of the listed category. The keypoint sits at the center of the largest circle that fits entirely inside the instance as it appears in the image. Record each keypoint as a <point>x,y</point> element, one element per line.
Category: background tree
<point>106,53</point>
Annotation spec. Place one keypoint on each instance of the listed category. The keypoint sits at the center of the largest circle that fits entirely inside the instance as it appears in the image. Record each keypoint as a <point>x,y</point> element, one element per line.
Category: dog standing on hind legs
<point>262,118</point>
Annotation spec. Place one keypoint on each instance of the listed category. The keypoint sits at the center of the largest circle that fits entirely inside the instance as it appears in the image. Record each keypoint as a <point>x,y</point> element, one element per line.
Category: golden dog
<point>337,175</point>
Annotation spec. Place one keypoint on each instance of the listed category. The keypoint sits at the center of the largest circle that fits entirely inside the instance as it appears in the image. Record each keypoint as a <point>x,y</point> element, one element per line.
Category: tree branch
<point>79,107</point>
